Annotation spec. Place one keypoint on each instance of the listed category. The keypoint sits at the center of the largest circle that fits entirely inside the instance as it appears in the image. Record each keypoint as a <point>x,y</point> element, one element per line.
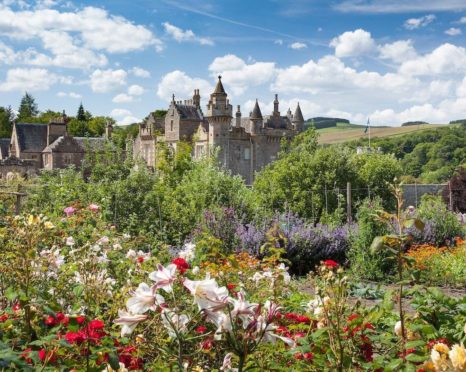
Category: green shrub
<point>364,264</point>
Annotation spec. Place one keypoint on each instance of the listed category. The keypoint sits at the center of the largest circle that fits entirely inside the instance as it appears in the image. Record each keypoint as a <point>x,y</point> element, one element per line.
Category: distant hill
<point>461,121</point>
<point>409,123</point>
<point>350,132</point>
<point>323,122</point>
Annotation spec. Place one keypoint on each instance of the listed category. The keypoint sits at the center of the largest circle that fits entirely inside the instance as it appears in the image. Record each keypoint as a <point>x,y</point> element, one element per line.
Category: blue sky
<point>390,60</point>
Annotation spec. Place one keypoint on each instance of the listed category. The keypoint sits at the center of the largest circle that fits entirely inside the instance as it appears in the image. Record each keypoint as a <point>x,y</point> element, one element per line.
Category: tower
<point>298,119</point>
<point>256,118</point>
<point>219,115</point>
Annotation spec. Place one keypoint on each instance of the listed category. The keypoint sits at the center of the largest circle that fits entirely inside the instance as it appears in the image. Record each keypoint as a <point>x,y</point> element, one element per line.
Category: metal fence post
<point>348,203</point>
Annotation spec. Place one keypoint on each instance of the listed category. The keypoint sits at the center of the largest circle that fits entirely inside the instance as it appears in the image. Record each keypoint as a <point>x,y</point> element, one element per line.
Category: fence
<point>328,197</point>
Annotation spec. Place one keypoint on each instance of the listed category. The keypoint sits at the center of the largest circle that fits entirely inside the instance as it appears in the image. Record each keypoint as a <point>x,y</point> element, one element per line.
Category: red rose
<point>299,335</point>
<point>81,319</point>
<point>16,307</point>
<point>50,321</point>
<point>330,264</point>
<point>231,286</point>
<point>181,264</point>
<point>303,319</point>
<point>291,316</point>
<point>3,318</point>
<point>42,354</point>
<point>299,356</point>
<point>207,344</point>
<point>308,356</point>
<point>96,324</point>
<point>140,259</point>
<point>26,355</point>
<point>75,337</point>
<point>201,329</point>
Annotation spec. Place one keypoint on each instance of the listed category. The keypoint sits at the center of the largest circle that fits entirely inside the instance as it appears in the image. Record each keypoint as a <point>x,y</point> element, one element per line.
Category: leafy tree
<point>6,121</point>
<point>27,108</point>
<point>78,128</point>
<point>81,115</point>
<point>458,191</point>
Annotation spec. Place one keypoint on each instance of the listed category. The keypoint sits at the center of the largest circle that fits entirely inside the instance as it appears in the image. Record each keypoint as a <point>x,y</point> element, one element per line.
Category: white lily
<point>164,277</point>
<point>269,334</point>
<point>128,321</point>
<point>144,299</point>
<point>207,294</point>
<point>243,309</point>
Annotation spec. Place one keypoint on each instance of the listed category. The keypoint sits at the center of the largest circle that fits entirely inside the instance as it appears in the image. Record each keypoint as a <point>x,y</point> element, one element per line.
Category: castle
<point>245,144</point>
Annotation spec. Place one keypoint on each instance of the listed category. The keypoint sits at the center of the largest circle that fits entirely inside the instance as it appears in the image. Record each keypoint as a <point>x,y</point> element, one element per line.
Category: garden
<point>187,269</point>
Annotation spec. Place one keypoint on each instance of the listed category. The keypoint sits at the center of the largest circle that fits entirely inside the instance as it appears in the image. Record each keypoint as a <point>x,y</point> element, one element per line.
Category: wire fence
<point>318,201</point>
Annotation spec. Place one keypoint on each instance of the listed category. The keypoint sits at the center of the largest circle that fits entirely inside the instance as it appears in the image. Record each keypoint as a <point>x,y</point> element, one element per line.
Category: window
<point>171,125</point>
<point>247,153</point>
<point>67,159</point>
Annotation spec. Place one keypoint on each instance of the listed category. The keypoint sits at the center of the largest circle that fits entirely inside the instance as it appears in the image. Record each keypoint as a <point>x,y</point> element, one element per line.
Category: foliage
<point>27,108</point>
<point>6,121</point>
<point>364,263</point>
<point>437,231</point>
<point>457,184</point>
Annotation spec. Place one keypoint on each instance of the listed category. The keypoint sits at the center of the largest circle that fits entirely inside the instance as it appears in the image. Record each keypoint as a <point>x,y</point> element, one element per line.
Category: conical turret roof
<point>256,112</point>
<point>219,87</point>
<point>298,115</point>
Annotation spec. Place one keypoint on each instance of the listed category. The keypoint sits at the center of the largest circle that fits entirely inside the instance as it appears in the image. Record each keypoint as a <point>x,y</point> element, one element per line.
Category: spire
<point>298,115</point>
<point>275,105</point>
<point>173,98</point>
<point>256,112</point>
<point>219,88</point>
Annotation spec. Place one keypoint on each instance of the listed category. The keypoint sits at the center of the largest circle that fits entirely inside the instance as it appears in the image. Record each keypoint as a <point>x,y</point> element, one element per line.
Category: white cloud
<point>399,6</point>
<point>70,95</point>
<point>122,98</point>
<point>238,75</point>
<point>179,83</point>
<point>353,43</point>
<point>415,23</point>
<point>462,20</point>
<point>73,39</point>
<point>445,59</point>
<point>103,81</point>
<point>140,72</point>
<point>29,79</point>
<point>278,42</point>
<point>298,45</point>
<point>136,90</point>
<point>453,31</point>
<point>123,116</point>
<point>398,51</point>
<point>185,36</point>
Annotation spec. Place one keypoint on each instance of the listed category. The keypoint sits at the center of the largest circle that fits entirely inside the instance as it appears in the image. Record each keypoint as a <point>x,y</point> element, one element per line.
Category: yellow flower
<point>48,225</point>
<point>458,357</point>
<point>439,356</point>
<point>33,219</point>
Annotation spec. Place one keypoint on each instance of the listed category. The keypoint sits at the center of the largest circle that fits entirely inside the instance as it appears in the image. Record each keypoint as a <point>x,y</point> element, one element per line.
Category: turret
<point>276,112</point>
<point>298,119</point>
<point>256,118</point>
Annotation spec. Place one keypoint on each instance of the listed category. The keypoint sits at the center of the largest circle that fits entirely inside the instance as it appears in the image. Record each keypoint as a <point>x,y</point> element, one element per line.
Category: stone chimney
<point>238,117</point>
<point>108,130</point>
<point>196,98</point>
<point>57,128</point>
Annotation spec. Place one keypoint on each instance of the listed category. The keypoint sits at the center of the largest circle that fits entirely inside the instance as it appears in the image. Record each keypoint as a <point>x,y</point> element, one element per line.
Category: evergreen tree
<point>6,121</point>
<point>81,115</point>
<point>27,108</point>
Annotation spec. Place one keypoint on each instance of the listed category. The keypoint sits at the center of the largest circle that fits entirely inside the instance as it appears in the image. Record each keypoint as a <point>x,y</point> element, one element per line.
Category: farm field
<point>345,133</point>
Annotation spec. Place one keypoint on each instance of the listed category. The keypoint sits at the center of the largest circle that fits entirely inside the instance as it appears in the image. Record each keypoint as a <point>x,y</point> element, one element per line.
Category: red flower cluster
<point>432,343</point>
<point>298,318</point>
<point>181,264</point>
<point>201,329</point>
<point>93,331</point>
<point>304,356</point>
<point>4,318</point>
<point>128,357</point>
<point>355,330</point>
<point>59,318</point>
<point>330,264</point>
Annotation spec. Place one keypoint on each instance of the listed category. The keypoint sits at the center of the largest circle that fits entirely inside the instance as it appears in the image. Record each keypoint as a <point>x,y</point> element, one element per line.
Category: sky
<point>388,60</point>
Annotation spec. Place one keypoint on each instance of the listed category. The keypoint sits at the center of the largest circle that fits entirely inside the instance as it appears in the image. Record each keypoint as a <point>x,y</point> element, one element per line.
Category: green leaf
<point>416,358</point>
<point>114,361</point>
<point>393,365</point>
<point>414,344</point>
<point>10,294</point>
<point>377,244</point>
<point>78,290</point>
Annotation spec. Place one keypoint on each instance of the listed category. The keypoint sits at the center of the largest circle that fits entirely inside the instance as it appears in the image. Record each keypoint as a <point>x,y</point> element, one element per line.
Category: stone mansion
<point>245,144</point>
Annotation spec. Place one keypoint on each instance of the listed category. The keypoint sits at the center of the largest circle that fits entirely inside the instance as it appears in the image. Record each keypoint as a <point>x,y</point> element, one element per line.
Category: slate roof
<point>190,112</point>
<point>4,147</point>
<point>32,137</point>
<point>298,115</point>
<point>219,87</point>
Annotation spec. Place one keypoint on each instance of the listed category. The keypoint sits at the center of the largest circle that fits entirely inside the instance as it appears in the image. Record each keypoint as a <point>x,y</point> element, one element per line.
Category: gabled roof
<point>4,147</point>
<point>32,137</point>
<point>64,144</point>
<point>93,143</point>
<point>189,112</point>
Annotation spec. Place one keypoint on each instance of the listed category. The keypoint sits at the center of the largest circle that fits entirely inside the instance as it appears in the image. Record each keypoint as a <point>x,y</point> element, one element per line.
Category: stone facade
<point>35,146</point>
<point>243,145</point>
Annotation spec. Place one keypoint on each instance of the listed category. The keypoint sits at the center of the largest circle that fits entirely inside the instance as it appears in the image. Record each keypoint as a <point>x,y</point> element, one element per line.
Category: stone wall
<point>24,168</point>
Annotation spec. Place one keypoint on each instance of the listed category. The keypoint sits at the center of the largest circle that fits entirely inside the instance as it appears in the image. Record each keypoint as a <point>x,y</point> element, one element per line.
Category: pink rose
<point>69,211</point>
<point>94,207</point>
